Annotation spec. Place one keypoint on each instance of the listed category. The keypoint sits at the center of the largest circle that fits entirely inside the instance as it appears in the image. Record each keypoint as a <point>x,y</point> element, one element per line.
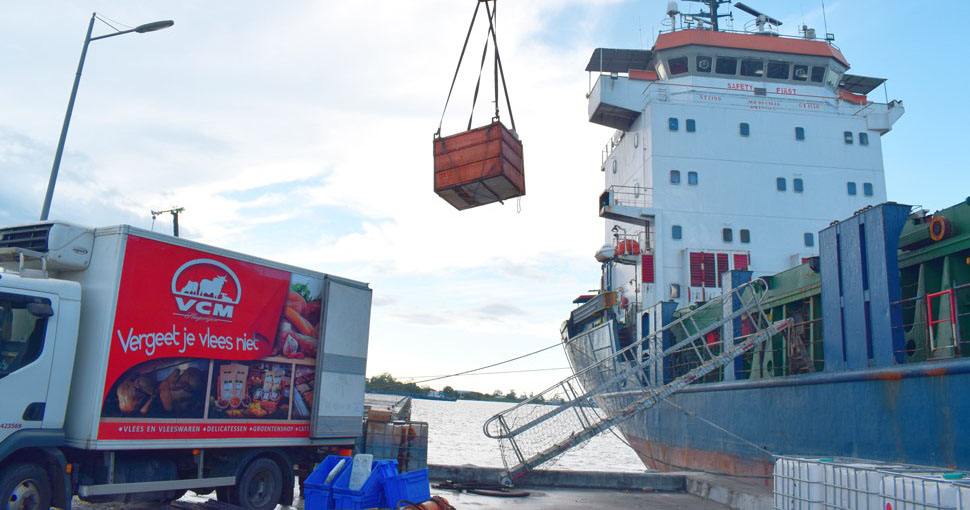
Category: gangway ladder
<point>546,431</point>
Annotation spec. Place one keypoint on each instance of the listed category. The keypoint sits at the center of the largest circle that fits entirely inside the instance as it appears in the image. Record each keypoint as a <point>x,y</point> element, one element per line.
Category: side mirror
<point>42,310</point>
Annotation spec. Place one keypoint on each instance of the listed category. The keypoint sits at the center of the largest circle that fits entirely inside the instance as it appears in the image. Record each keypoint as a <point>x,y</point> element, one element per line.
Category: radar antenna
<point>760,18</point>
<point>711,15</point>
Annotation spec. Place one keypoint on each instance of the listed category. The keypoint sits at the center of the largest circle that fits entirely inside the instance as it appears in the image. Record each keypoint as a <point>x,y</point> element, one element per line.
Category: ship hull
<point>916,414</point>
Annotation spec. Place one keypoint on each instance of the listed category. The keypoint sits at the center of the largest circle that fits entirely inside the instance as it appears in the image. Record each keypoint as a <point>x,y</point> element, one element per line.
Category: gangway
<point>531,433</point>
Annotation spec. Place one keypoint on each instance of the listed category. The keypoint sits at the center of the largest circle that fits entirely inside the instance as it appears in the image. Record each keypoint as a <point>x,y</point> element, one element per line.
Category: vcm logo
<point>206,289</point>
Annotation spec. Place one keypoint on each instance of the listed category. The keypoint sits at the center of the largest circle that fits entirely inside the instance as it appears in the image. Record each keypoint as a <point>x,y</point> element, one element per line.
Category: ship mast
<point>712,15</point>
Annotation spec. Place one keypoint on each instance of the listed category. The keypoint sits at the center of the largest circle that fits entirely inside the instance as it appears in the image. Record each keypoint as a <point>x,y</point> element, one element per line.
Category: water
<point>456,438</point>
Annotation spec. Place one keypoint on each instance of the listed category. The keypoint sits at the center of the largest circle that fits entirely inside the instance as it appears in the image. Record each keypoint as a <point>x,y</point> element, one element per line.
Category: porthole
<point>614,166</point>
<point>636,140</point>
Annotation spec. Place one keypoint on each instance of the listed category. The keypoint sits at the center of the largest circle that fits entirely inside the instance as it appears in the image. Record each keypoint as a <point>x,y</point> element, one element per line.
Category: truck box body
<point>184,344</point>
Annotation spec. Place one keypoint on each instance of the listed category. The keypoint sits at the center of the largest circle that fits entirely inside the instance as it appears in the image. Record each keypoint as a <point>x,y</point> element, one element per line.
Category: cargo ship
<point>750,156</point>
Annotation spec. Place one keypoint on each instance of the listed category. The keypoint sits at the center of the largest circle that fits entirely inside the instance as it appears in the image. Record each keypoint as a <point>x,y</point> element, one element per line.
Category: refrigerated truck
<point>136,366</point>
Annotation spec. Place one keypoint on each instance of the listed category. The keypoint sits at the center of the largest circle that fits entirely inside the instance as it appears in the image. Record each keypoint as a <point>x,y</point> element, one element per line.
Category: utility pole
<point>174,211</point>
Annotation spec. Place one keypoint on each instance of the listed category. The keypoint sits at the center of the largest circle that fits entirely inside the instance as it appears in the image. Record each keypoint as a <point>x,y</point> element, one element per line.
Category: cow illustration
<point>213,287</point>
<point>191,287</point>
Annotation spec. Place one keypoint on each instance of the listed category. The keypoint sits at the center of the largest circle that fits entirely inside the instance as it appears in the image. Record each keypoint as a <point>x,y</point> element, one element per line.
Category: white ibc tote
<point>926,491</point>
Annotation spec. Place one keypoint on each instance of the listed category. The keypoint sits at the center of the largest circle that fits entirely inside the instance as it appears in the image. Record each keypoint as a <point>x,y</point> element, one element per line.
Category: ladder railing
<point>532,433</point>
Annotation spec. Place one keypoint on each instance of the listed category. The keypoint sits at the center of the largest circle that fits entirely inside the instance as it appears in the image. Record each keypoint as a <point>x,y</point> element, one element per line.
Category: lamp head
<point>156,25</point>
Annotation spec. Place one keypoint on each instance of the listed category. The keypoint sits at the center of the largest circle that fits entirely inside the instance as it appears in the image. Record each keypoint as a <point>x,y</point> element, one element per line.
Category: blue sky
<point>302,132</point>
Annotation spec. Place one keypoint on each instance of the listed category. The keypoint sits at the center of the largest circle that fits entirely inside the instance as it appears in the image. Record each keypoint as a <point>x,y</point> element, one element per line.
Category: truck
<point>135,366</point>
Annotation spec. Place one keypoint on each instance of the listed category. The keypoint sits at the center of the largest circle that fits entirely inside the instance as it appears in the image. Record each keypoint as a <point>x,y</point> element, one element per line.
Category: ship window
<point>847,135</point>
<point>727,234</point>
<point>676,232</point>
<point>692,178</point>
<point>726,65</point>
<point>799,133</point>
<point>850,187</point>
<point>675,177</point>
<point>863,138</point>
<point>677,65</point>
<point>798,185</point>
<point>691,126</point>
<point>779,70</point>
<point>703,64</point>
<point>745,236</point>
<point>673,124</point>
<point>809,239</point>
<point>818,74</point>
<point>867,189</point>
<point>745,129</point>
<point>752,67</point>
<point>801,73</point>
<point>781,184</point>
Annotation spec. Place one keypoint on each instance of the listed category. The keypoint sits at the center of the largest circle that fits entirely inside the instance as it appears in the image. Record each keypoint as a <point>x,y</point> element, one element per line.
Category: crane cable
<point>557,344</point>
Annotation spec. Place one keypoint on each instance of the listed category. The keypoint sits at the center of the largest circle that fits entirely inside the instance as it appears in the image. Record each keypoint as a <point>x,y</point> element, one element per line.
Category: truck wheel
<point>25,487</point>
<point>259,487</point>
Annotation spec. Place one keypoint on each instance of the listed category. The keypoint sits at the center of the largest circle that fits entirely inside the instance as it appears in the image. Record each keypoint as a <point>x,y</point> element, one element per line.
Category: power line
<point>557,344</point>
<point>494,373</point>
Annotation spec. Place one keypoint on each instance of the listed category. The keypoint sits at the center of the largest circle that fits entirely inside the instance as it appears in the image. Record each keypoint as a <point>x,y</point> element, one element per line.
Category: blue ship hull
<point>917,414</point>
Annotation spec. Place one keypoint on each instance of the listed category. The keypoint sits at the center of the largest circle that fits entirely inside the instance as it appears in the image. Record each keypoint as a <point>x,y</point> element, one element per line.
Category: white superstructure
<point>731,151</point>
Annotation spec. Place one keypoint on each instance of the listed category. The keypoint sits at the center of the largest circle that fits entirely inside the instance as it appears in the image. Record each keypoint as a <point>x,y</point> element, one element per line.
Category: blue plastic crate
<point>413,487</point>
<point>318,495</point>
<point>370,495</point>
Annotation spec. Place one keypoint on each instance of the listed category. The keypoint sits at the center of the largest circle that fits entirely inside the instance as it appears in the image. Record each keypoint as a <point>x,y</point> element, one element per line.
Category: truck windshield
<point>21,332</point>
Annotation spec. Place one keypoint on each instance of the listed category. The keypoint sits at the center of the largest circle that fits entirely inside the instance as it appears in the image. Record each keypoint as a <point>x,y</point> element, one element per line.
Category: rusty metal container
<point>479,167</point>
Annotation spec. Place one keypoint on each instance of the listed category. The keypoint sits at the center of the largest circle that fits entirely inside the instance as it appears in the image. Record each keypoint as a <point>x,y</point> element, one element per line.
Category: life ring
<point>940,228</point>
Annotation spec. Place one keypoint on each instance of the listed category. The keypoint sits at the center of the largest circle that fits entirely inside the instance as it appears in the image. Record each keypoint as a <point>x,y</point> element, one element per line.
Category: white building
<point>731,151</point>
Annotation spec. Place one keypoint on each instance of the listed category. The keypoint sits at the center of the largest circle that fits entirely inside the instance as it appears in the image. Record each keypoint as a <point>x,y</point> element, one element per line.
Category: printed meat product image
<point>172,388</point>
<point>251,390</point>
<point>299,328</point>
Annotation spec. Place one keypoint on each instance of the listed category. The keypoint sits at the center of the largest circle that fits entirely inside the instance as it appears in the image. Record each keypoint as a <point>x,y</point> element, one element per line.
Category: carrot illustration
<point>301,324</point>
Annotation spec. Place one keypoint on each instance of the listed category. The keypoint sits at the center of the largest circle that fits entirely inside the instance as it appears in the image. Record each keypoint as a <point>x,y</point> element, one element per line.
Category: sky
<point>301,132</point>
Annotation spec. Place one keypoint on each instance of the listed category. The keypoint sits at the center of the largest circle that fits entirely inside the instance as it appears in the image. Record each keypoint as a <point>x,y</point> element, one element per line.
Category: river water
<point>455,437</point>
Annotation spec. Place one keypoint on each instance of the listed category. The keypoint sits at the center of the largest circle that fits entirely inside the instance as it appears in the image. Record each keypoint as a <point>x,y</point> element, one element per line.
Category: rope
<point>460,58</point>
<point>557,344</point>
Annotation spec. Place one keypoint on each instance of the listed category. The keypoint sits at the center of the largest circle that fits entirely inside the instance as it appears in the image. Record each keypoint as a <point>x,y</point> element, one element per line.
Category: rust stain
<point>890,376</point>
<point>936,372</point>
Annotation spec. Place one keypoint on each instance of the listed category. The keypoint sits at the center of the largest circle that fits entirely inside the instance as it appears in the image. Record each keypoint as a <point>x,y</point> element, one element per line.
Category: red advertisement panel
<point>200,337</point>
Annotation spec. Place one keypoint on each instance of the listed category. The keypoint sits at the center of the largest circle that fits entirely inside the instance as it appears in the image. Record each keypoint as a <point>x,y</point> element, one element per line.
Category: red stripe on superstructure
<point>748,42</point>
<point>845,95</point>
<point>637,74</point>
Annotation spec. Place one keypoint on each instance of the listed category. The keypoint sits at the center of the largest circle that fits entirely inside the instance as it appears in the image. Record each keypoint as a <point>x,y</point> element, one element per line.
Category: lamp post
<point>141,29</point>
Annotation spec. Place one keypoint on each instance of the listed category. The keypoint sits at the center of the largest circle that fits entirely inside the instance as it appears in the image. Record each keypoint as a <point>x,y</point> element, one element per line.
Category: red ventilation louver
<point>741,262</point>
<point>647,268</point>
<point>710,270</point>
<point>696,269</point>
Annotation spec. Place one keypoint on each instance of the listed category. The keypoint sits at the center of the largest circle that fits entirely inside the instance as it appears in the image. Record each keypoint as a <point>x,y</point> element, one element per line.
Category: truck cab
<point>38,336</point>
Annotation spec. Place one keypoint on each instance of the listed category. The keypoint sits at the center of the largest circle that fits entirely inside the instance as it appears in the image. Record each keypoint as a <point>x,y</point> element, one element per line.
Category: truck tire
<point>25,487</point>
<point>259,487</point>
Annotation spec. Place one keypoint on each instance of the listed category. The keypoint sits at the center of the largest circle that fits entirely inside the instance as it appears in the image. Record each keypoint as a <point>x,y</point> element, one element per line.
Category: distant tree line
<point>386,383</point>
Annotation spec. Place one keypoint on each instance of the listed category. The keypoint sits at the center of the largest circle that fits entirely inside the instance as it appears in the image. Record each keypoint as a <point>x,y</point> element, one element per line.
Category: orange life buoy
<point>940,228</point>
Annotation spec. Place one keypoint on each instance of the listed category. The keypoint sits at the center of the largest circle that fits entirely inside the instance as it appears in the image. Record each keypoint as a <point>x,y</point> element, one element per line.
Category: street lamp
<point>141,29</point>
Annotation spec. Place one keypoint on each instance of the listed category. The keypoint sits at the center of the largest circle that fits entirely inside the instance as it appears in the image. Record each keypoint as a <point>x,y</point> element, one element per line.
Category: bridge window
<point>745,236</point>
<point>745,129</point>
<point>799,133</point>
<point>727,235</point>
<point>779,70</point>
<point>863,138</point>
<point>726,65</point>
<point>675,177</point>
<point>798,185</point>
<point>867,189</point>
<point>691,126</point>
<point>673,124</point>
<point>781,184</point>
<point>847,136</point>
<point>850,187</point>
<point>818,74</point>
<point>801,73</point>
<point>809,239</point>
<point>677,65</point>
<point>692,178</point>
<point>676,232</point>
<point>752,67</point>
<point>703,64</point>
